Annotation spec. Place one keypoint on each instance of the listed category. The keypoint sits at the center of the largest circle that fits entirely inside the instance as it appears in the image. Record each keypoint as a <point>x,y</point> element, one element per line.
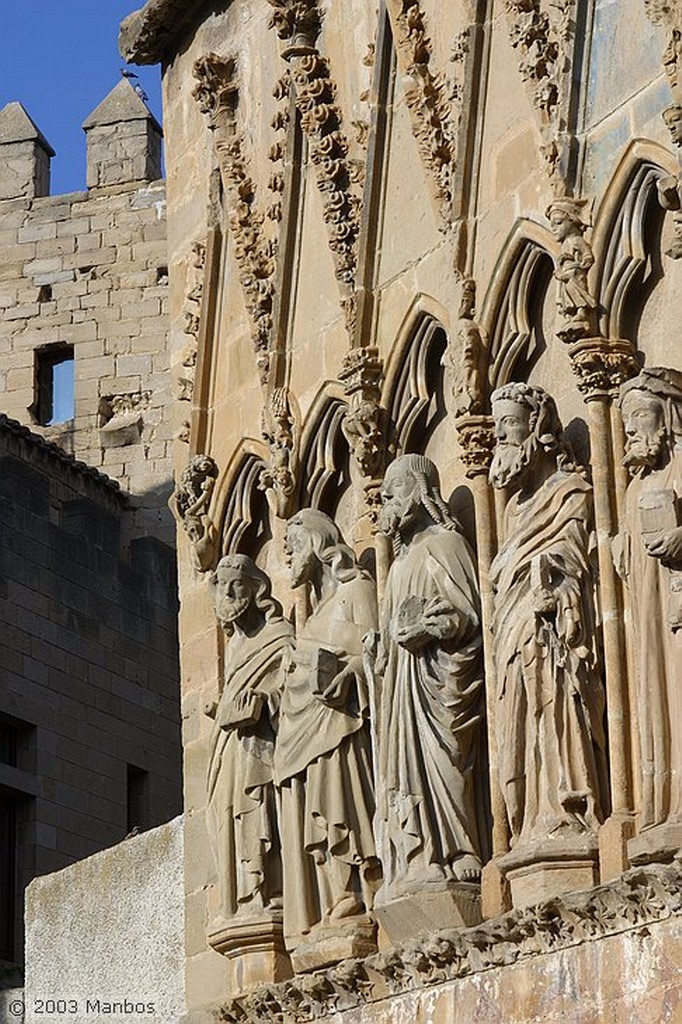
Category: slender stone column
<point>601,366</point>
<point>477,440</point>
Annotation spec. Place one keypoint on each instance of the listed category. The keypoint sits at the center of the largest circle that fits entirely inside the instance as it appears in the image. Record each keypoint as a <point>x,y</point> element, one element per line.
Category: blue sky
<point>60,58</point>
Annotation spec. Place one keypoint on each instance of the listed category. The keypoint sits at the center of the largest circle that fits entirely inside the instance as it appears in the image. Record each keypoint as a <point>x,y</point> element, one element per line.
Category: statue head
<point>238,587</point>
<point>313,539</point>
<point>673,118</point>
<point>651,406</point>
<point>565,217</point>
<point>410,495</point>
<point>527,428</point>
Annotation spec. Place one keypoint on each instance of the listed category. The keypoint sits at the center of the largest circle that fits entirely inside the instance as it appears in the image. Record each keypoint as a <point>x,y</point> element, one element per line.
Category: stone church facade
<point>428,503</point>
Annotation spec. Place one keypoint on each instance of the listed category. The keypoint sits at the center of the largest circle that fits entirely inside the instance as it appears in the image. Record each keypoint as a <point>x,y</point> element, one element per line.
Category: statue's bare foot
<point>467,868</point>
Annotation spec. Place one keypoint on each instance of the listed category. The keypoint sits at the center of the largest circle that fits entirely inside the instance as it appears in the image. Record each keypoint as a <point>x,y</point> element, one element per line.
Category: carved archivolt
<point>297,23</point>
<point>427,98</point>
<point>415,404</point>
<point>543,33</point>
<point>324,457</point>
<point>244,520</point>
<point>638,898</point>
<point>218,96</point>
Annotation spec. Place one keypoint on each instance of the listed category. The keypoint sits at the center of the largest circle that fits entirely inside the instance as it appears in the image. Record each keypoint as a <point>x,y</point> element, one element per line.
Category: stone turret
<point>123,140</point>
<point>24,156</point>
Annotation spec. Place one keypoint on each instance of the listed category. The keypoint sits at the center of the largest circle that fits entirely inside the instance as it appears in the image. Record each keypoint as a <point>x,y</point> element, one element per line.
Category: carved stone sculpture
<point>576,304</point>
<point>649,557</point>
<point>466,359</point>
<point>429,710</point>
<point>550,701</point>
<point>323,756</point>
<point>241,813</point>
<point>670,187</point>
<point>190,504</point>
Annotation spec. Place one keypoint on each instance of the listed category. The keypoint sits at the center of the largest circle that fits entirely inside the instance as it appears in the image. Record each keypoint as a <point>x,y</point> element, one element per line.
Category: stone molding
<point>428,100</point>
<point>638,898</point>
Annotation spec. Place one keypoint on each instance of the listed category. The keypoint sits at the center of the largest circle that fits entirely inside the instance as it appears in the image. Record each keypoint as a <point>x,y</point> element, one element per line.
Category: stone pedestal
<point>539,871</point>
<point>331,943</point>
<point>656,845</point>
<point>458,906</point>
<point>495,895</point>
<point>254,948</point>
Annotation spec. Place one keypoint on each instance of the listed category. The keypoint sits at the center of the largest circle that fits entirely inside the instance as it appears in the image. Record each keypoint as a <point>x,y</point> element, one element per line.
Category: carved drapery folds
<point>543,33</point>
<point>218,96</point>
<point>190,504</point>
<point>428,101</point>
<point>364,424</point>
<point>278,479</point>
<point>578,308</point>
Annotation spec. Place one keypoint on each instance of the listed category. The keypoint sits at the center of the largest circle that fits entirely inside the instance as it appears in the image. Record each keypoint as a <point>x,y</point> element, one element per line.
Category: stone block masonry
<point>88,662</point>
<point>86,274</point>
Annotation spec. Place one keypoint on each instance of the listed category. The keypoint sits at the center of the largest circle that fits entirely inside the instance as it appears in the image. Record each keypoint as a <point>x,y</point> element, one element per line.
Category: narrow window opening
<point>45,293</point>
<point>137,799</point>
<point>162,275</point>
<point>54,376</point>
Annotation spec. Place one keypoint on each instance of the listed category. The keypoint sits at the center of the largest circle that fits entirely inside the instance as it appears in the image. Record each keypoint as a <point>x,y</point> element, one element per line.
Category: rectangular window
<point>137,799</point>
<point>8,744</point>
<point>54,387</point>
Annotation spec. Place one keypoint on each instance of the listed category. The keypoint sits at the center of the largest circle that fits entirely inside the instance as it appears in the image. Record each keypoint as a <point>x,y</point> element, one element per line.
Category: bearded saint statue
<point>241,812</point>
<point>550,698</point>
<point>430,678</point>
<point>649,557</point>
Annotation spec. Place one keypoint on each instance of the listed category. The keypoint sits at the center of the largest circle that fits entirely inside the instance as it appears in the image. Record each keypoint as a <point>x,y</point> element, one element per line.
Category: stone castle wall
<point>88,662</point>
<point>90,270</point>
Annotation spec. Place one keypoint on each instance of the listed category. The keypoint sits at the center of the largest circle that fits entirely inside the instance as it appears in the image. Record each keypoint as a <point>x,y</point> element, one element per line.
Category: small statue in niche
<point>649,557</point>
<point>550,698</point>
<point>670,187</point>
<point>465,359</point>
<point>323,755</point>
<point>576,304</point>
<point>431,695</point>
<point>241,809</point>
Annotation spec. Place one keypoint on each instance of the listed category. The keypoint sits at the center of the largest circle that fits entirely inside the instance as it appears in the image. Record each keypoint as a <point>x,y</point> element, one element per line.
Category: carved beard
<point>510,460</point>
<point>642,451</point>
<point>228,611</point>
<point>397,513</point>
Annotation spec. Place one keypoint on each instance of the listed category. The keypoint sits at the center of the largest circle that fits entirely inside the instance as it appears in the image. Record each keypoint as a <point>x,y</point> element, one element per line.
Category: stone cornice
<point>152,34</point>
<point>639,897</point>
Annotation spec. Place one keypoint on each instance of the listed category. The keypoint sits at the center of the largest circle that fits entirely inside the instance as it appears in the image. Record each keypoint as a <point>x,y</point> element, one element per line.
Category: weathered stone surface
<point>106,934</point>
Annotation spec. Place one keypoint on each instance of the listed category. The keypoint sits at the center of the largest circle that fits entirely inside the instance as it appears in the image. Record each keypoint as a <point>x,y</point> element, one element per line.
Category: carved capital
<point>298,24</point>
<point>601,366</point>
<point>217,91</point>
<point>190,505</point>
<point>476,436</point>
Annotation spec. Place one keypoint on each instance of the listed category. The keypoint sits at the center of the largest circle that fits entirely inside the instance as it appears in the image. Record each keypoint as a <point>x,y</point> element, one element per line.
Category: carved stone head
<point>565,218</point>
<point>240,588</point>
<point>527,427</point>
<point>651,406</point>
<point>410,495</point>
<point>312,540</point>
<point>673,118</point>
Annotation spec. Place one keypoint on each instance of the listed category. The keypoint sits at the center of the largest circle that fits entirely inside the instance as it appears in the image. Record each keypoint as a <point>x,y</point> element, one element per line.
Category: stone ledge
<point>640,897</point>
<point>147,36</point>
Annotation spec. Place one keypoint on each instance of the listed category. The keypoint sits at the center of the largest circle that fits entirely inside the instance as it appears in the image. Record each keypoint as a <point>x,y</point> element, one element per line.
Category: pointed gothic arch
<point>414,391</point>
<point>627,238</point>
<point>325,455</point>
<point>243,518</point>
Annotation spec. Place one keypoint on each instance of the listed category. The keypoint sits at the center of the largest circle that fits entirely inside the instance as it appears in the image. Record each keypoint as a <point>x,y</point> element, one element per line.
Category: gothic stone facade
<point>412,227</point>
